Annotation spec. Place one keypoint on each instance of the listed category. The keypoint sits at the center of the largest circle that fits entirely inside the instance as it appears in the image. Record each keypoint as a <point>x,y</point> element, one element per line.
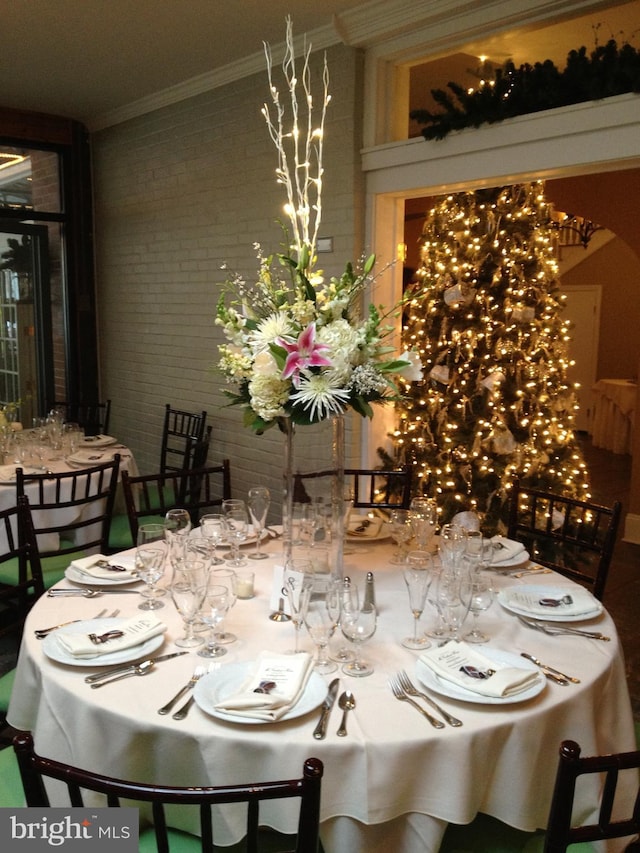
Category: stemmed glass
<point>228,579</point>
<point>236,529</point>
<point>321,619</point>
<point>452,607</point>
<point>424,519</point>
<point>357,626</point>
<point>297,584</point>
<point>150,561</point>
<point>401,532</point>
<point>476,592</point>
<point>417,578</point>
<point>213,611</point>
<point>188,587</point>
<point>212,529</point>
<point>452,544</point>
<point>177,521</point>
<point>258,503</point>
<point>344,653</point>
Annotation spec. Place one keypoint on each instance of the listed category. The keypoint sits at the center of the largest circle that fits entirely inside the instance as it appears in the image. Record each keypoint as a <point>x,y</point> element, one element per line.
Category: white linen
<point>527,599</point>
<point>364,526</point>
<point>287,673</point>
<point>505,550</point>
<point>89,566</point>
<point>135,631</point>
<point>497,679</point>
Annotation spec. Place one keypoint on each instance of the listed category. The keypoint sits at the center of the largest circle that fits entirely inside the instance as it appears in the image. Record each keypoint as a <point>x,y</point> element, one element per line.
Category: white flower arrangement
<point>300,347</point>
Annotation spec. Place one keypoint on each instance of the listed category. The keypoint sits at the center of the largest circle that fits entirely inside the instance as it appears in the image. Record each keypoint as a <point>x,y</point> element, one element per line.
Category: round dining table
<point>394,782</point>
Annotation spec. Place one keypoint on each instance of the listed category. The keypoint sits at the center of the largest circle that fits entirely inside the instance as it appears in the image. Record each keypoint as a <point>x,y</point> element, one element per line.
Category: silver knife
<point>549,671</point>
<point>320,730</point>
<point>89,592</point>
<point>98,676</point>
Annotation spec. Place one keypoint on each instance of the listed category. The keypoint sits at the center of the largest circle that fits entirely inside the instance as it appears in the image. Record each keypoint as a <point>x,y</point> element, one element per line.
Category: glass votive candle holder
<point>245,584</point>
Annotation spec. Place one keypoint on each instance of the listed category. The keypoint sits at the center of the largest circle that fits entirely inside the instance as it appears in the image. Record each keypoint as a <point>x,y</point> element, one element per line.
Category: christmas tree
<point>485,314</point>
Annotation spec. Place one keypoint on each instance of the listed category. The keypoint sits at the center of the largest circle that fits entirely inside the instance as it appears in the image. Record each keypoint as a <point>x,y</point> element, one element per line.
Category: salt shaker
<point>369,602</point>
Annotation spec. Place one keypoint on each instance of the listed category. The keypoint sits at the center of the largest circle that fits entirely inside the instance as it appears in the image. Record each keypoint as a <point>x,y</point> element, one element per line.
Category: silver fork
<point>399,693</point>
<point>198,672</point>
<point>554,631</point>
<point>181,713</point>
<point>410,689</point>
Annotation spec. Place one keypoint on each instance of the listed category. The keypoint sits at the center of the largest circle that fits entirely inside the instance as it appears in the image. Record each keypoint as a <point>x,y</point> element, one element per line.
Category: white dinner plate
<point>516,560</point>
<point>76,576</point>
<point>8,472</point>
<point>447,688</point>
<point>548,592</point>
<point>97,441</point>
<point>91,457</point>
<point>216,686</point>
<point>52,648</point>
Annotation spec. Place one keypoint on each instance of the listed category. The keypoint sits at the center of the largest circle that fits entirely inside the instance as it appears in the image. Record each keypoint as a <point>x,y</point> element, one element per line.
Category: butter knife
<point>321,729</point>
<point>99,676</point>
<point>549,671</point>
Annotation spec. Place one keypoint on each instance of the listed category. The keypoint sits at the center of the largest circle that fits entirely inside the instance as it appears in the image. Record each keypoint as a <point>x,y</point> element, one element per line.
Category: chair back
<point>150,496</point>
<point>197,451</point>
<point>570,536</point>
<point>179,431</point>
<point>372,488</point>
<point>71,509</point>
<point>24,584</point>
<point>560,831</point>
<point>34,769</point>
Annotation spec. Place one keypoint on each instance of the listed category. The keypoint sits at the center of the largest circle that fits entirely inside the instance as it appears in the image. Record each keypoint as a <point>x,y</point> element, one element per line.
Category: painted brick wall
<point>178,193</point>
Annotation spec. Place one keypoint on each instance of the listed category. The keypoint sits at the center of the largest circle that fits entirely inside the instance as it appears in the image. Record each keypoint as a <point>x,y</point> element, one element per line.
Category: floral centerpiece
<point>299,346</point>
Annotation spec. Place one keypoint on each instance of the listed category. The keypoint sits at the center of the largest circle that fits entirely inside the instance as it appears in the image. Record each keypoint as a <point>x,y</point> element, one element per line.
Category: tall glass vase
<point>313,476</point>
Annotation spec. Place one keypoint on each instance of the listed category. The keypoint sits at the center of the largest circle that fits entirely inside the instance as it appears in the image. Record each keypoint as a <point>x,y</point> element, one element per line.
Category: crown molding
<point>389,27</point>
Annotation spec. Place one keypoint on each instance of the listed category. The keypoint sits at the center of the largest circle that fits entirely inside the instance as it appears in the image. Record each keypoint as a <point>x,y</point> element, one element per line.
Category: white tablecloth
<point>394,782</point>
<point>614,402</point>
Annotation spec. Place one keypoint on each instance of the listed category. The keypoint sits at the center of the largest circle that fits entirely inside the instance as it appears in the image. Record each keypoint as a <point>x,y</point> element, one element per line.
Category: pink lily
<point>305,352</point>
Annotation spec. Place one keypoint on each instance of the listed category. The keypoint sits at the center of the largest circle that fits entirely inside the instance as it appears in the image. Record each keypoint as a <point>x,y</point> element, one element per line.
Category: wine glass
<point>297,584</point>
<point>452,544</point>
<point>212,529</point>
<point>150,562</point>
<point>424,519</point>
<point>357,625</point>
<point>236,529</point>
<point>227,578</point>
<point>188,587</point>
<point>476,592</point>
<point>401,533</point>
<point>258,503</point>
<point>344,653</point>
<point>450,603</point>
<point>213,612</point>
<point>177,521</point>
<point>321,619</point>
<point>417,578</point>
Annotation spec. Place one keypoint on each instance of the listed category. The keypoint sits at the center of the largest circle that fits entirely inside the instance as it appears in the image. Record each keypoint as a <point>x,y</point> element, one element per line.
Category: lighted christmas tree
<point>485,314</point>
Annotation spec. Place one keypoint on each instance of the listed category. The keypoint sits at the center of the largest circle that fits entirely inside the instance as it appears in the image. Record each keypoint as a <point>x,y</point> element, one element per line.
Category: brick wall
<point>178,193</point>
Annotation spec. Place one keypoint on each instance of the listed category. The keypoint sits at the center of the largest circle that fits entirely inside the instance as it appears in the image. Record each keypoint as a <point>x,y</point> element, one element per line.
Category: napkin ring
<point>103,638</point>
<point>474,672</point>
<point>265,687</point>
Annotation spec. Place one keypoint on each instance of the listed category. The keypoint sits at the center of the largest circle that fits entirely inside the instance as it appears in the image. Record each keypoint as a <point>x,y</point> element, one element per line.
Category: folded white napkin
<point>88,566</point>
<point>505,550</point>
<point>135,631</point>
<point>283,679</point>
<point>447,662</point>
<point>364,527</point>
<point>528,600</point>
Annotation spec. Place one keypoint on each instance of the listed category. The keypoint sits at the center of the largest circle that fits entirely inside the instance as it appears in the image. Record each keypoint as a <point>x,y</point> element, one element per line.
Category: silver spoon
<point>140,669</point>
<point>347,702</point>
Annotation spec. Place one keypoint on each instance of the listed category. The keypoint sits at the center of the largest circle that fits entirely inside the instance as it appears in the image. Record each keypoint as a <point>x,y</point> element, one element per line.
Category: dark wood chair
<point>560,831</point>
<point>149,496</point>
<point>72,509</point>
<point>92,417</point>
<point>21,582</point>
<point>34,769</point>
<point>179,432</point>
<point>570,536</point>
<point>372,488</point>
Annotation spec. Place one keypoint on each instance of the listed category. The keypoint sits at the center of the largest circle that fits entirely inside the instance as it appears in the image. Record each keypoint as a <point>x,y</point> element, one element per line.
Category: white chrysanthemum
<point>366,380</point>
<point>276,326</point>
<point>321,395</point>
<point>268,396</point>
<point>344,344</point>
<point>266,365</point>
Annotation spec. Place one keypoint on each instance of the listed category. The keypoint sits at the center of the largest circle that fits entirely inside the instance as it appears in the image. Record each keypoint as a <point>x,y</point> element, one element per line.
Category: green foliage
<point>608,70</point>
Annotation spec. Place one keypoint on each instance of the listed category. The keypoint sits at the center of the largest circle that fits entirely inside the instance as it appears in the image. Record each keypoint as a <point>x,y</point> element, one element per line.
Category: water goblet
<point>297,585</point>
<point>177,521</point>
<point>401,533</point>
<point>188,587</point>
<point>348,591</point>
<point>476,592</point>
<point>236,529</point>
<point>424,519</point>
<point>228,579</point>
<point>417,578</point>
<point>452,544</point>
<point>453,608</point>
<point>151,536</point>
<point>213,612</point>
<point>321,619</point>
<point>258,503</point>
<point>357,625</point>
<point>212,530</point>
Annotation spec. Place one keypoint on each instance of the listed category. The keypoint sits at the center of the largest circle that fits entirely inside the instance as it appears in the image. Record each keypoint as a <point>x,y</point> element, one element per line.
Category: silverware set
<point>409,688</point>
<point>41,633</point>
<point>198,672</point>
<point>557,629</point>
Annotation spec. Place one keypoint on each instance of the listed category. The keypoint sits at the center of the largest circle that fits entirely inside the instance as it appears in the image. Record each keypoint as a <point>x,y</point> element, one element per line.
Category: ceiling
<point>88,59</point>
